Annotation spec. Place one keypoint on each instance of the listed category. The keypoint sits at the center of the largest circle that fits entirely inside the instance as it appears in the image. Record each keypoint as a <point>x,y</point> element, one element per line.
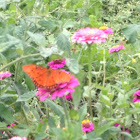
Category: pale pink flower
<point>137,96</point>
<point>58,91</point>
<point>17,138</point>
<point>69,97</point>
<point>106,30</point>
<point>57,63</point>
<point>116,48</point>
<point>87,126</point>
<point>4,75</point>
<point>126,129</point>
<point>89,35</point>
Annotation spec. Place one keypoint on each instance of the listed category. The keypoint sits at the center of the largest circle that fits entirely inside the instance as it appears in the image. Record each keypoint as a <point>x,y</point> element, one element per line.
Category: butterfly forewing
<point>46,78</point>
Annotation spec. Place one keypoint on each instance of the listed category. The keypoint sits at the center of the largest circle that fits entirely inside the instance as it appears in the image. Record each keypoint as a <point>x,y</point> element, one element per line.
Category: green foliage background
<point>38,31</point>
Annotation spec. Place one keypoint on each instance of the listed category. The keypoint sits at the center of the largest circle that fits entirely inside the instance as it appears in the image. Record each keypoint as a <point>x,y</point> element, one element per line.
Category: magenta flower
<point>137,96</point>
<point>17,138</point>
<point>116,48</point>
<point>126,129</point>
<point>89,35</point>
<point>9,126</point>
<point>58,91</point>
<point>4,75</point>
<point>69,97</point>
<point>57,63</point>
<point>87,126</point>
<point>106,30</point>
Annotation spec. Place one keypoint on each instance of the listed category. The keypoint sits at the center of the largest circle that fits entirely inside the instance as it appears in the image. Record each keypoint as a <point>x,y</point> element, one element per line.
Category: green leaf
<point>3,4</point>
<point>72,65</point>
<point>5,113</point>
<point>82,112</point>
<point>45,52</point>
<point>104,99</point>
<point>22,132</point>
<point>55,107</point>
<point>11,42</point>
<point>3,124</point>
<point>3,59</point>
<point>131,31</point>
<point>48,24</point>
<point>40,136</point>
<point>73,114</point>
<point>63,43</point>
<point>26,96</point>
<point>38,39</point>
<point>105,127</point>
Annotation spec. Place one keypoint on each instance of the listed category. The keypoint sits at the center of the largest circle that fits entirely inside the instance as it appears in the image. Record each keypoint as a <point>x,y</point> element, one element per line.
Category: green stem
<point>26,118</point>
<point>16,71</point>
<point>19,59</point>
<point>122,67</point>
<point>104,68</point>
<point>65,110</point>
<point>90,82</point>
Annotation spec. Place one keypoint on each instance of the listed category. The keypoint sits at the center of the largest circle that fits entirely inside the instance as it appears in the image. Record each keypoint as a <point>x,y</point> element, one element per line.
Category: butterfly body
<point>46,77</point>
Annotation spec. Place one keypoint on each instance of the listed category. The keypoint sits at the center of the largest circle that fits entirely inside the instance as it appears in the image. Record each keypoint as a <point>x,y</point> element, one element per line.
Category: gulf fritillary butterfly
<point>46,77</point>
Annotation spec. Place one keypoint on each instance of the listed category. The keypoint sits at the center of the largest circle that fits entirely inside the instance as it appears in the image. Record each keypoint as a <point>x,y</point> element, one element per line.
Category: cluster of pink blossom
<point>59,91</point>
<point>89,35</point>
<point>116,48</point>
<point>106,30</point>
<point>137,96</point>
<point>17,138</point>
<point>57,63</point>
<point>87,126</point>
<point>4,75</point>
<point>122,129</point>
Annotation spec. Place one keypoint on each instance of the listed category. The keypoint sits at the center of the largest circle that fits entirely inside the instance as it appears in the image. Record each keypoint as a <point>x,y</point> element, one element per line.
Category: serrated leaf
<point>26,96</point>
<point>5,113</point>
<point>39,39</point>
<point>73,65</point>
<point>63,43</point>
<point>131,31</point>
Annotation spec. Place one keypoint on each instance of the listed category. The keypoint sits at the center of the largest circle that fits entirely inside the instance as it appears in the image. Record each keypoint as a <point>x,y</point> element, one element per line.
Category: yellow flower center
<point>103,27</point>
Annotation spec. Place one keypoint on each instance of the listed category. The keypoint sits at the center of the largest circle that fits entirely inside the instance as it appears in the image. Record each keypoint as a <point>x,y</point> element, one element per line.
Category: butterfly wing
<point>46,78</point>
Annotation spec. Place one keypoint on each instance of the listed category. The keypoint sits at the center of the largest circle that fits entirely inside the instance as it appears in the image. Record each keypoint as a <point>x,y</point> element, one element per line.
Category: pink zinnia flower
<point>18,138</point>
<point>89,35</point>
<point>5,74</point>
<point>87,126</point>
<point>116,48</point>
<point>57,63</point>
<point>106,30</point>
<point>137,96</point>
<point>126,129</point>
<point>69,97</point>
<point>59,90</point>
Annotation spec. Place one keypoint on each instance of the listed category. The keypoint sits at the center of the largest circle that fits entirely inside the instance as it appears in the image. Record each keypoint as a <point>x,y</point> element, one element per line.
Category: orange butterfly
<point>46,77</point>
